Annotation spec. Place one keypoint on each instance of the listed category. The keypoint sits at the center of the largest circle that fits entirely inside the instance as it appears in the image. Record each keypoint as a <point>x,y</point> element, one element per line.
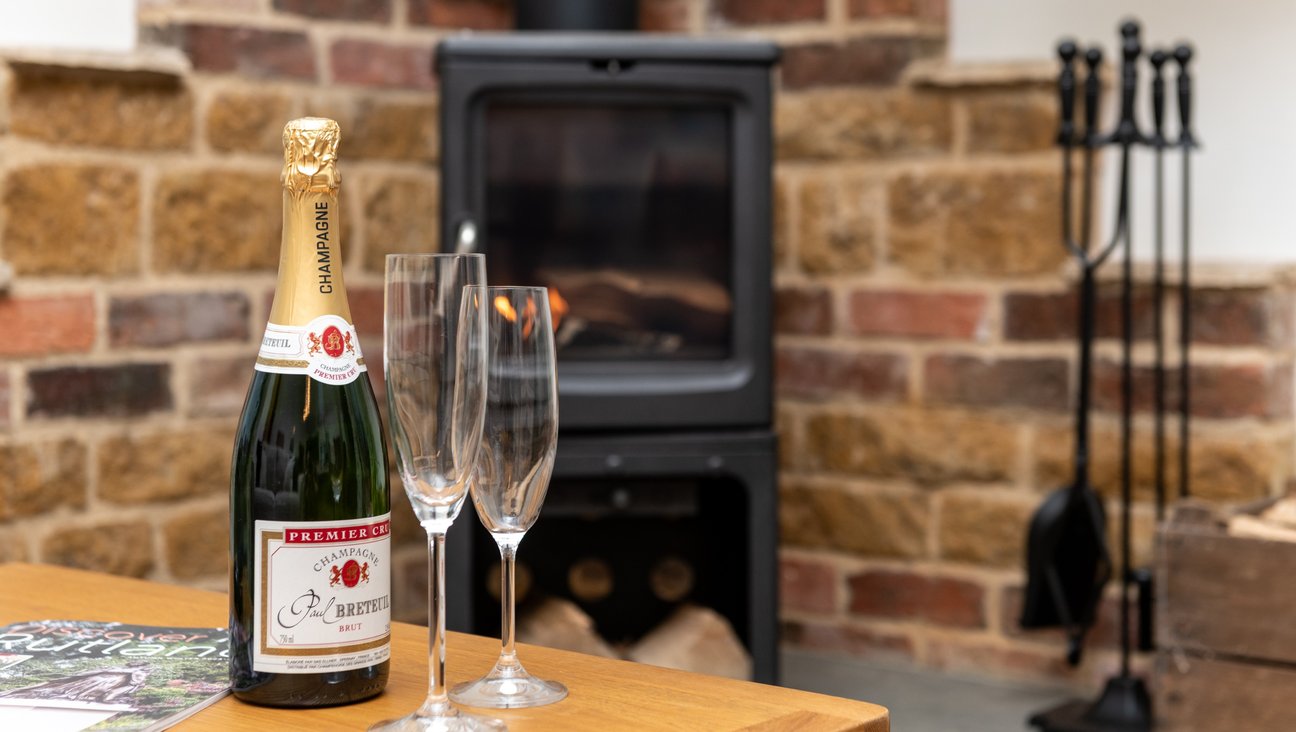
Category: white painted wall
<point>74,25</point>
<point>1244,177</point>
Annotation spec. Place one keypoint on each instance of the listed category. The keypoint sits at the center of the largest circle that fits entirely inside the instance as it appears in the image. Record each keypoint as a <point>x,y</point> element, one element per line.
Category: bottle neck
<point>310,260</point>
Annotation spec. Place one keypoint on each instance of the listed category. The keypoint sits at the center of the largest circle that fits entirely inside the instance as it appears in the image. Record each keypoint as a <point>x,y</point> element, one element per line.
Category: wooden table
<point>605,694</point>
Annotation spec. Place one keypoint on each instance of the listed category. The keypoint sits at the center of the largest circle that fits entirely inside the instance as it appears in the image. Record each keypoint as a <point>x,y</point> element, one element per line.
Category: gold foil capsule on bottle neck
<point>310,155</point>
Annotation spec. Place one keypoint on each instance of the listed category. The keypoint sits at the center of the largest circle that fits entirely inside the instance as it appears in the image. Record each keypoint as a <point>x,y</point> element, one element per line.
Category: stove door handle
<point>466,237</point>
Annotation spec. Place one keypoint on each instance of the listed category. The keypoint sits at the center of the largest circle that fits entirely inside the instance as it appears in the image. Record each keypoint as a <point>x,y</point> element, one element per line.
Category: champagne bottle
<point>310,509</point>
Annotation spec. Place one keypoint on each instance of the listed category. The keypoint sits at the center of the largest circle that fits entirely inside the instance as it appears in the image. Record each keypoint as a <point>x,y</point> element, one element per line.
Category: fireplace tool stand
<point>1125,704</point>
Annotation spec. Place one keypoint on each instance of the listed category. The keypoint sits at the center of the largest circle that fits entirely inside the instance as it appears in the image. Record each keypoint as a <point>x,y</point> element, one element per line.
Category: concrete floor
<point>922,700</point>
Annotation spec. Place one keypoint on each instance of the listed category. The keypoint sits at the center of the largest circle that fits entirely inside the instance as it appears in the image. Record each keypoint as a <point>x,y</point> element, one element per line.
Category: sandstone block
<point>167,319</point>
<point>781,220</point>
<point>142,468</point>
<point>197,544</point>
<point>124,548</point>
<point>864,523</point>
<point>123,390</point>
<point>954,315</point>
<point>42,477</point>
<point>972,381</point>
<point>248,122</point>
<point>837,232</point>
<point>76,220</point>
<point>397,213</point>
<point>5,397</point>
<point>375,63</point>
<point>257,53</point>
<point>402,131</point>
<point>217,221</point>
<point>466,14</point>
<point>901,595</point>
<point>1012,121</point>
<point>13,548</point>
<point>985,528</point>
<point>818,373</point>
<point>869,61</point>
<point>975,224</point>
<point>808,585</point>
<point>863,124</point>
<point>128,112</point>
<point>803,310</point>
<point>928,447</point>
<point>38,326</point>
<point>768,12</point>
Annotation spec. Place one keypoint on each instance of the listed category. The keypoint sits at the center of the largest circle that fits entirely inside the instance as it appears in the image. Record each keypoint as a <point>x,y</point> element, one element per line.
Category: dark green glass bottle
<point>310,508</point>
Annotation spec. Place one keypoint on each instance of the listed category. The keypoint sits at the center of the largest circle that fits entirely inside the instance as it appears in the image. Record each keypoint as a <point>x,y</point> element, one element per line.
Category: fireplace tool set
<point>1068,560</point>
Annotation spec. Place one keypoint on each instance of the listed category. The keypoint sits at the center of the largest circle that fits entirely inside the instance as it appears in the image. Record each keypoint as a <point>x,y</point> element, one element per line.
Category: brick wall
<point>924,306</point>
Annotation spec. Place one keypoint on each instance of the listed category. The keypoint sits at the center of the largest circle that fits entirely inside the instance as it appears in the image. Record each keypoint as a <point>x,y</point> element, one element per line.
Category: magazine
<point>71,675</point>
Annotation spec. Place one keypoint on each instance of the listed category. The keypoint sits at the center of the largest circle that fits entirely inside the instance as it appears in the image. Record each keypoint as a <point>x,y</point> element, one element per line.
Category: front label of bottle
<point>326,349</point>
<point>322,595</point>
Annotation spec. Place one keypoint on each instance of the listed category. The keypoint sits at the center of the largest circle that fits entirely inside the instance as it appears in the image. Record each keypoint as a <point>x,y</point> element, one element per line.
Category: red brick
<point>1105,632</point>
<point>763,12</point>
<point>171,318</point>
<point>860,61</point>
<point>917,314</point>
<point>1035,383</point>
<point>1250,317</point>
<point>373,63</point>
<point>1217,391</point>
<point>664,16</point>
<point>251,52</point>
<point>820,373</point>
<point>934,11</point>
<point>474,14</point>
<point>124,390</point>
<point>37,326</point>
<point>976,656</point>
<point>1048,316</point>
<point>218,386</point>
<point>882,8</point>
<point>371,10</point>
<point>807,585</point>
<point>802,310</point>
<point>367,310</point>
<point>856,642</point>
<point>909,596</point>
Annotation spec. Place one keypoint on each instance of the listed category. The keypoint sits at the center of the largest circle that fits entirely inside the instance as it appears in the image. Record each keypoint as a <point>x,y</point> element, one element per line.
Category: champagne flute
<point>513,468</point>
<point>435,367</point>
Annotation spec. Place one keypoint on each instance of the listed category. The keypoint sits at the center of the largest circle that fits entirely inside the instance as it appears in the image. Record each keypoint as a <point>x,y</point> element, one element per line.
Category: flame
<point>505,308</point>
<point>558,307</point>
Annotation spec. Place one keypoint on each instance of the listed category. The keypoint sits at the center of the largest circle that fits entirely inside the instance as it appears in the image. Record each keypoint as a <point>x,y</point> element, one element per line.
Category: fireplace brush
<point>1125,703</point>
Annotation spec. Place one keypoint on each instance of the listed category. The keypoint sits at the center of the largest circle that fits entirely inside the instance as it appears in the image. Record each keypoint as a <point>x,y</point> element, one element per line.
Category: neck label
<point>327,349</point>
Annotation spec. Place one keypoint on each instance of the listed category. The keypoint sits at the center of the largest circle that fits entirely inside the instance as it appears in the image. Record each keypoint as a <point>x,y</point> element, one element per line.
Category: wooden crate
<point>1226,627</point>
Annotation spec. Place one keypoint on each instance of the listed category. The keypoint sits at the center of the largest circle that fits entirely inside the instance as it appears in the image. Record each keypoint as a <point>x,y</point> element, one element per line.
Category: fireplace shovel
<point>1067,560</point>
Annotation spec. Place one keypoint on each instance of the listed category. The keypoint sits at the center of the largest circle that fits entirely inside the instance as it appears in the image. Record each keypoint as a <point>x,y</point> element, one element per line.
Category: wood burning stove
<point>630,174</point>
